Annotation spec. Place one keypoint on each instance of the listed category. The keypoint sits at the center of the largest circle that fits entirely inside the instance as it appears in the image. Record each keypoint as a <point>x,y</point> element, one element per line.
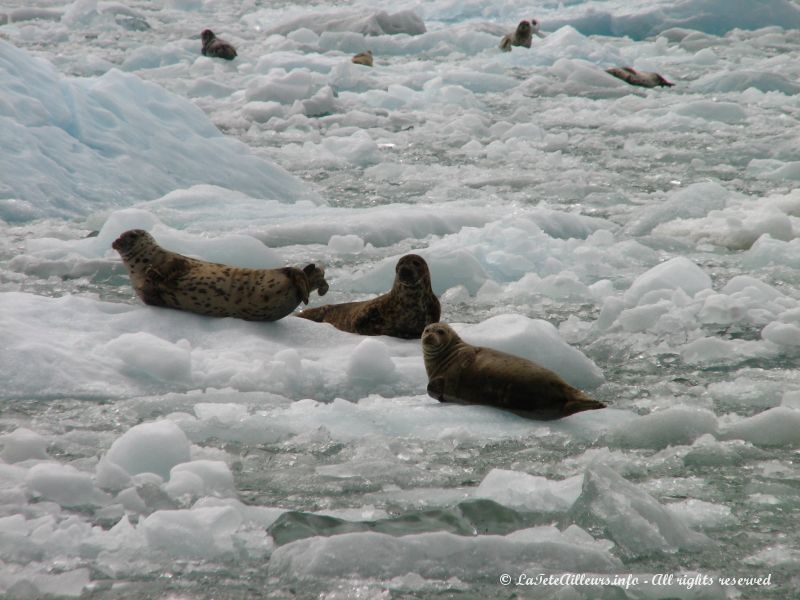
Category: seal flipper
<point>316,279</point>
<point>436,388</point>
<point>299,281</point>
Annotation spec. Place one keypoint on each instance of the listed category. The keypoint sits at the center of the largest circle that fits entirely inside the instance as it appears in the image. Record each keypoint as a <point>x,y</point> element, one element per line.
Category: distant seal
<point>168,279</point>
<point>640,78</point>
<point>465,374</point>
<point>363,58</point>
<point>216,47</point>
<point>403,312</point>
<point>522,36</point>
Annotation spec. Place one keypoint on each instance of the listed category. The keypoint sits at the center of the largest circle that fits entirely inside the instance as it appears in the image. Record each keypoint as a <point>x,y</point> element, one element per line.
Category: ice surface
<point>383,556</point>
<point>529,492</point>
<point>150,448</point>
<point>22,444</point>
<point>643,243</point>
<point>90,132</point>
<point>633,519</point>
<point>659,429</point>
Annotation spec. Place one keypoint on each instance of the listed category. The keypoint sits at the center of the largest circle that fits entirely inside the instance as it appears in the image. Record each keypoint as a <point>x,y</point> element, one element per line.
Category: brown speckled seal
<point>363,58</point>
<point>462,373</point>
<point>640,78</point>
<point>168,279</point>
<point>403,312</point>
<point>216,47</point>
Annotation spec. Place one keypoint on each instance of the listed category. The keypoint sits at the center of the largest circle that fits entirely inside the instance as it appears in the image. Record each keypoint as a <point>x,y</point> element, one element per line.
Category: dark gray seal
<point>403,312</point>
<point>522,35</point>
<point>465,374</point>
<point>216,47</point>
<point>163,278</point>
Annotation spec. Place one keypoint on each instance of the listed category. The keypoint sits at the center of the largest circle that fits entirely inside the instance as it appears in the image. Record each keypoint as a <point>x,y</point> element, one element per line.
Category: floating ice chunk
<point>150,448</point>
<point>63,484</point>
<point>779,426</point>
<point>38,581</point>
<point>782,334</point>
<point>726,112</point>
<point>129,140</point>
<point>370,361</point>
<point>382,556</point>
<point>634,520</point>
<point>357,149</point>
<point>282,87</point>
<point>144,354</point>
<point>529,493</point>
<point>693,201</point>
<point>373,23</point>
<point>736,228</point>
<point>703,515</point>
<point>304,36</point>
<point>80,13</point>
<point>196,533</point>
<point>768,251</point>
<point>717,350</point>
<point>679,425</point>
<point>261,112</point>
<point>709,16</point>
<point>200,477</point>
<point>774,169</point>
<point>642,318</point>
<point>324,102</point>
<point>346,244</point>
<point>739,81</point>
<point>22,444</point>
<point>676,273</point>
<point>535,340</point>
<point>223,412</point>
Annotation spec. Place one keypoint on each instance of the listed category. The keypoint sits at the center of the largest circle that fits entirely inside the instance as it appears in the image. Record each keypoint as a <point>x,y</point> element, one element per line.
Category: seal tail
<point>580,404</point>
<point>316,314</point>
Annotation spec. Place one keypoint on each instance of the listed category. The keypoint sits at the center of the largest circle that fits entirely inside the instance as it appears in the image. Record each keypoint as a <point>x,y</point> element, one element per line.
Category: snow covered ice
<point>642,243</point>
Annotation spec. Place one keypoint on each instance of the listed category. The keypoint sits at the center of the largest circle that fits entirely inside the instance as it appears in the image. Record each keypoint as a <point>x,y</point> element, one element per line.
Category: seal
<point>216,47</point>
<point>171,280</point>
<point>403,312</point>
<point>641,78</point>
<point>465,374</point>
<point>522,36</point>
<point>363,58</point>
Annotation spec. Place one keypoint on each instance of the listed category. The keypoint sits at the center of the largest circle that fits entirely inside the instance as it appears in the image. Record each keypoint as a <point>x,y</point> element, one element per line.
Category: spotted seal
<point>216,47</point>
<point>522,36</point>
<point>403,312</point>
<point>363,58</point>
<point>640,78</point>
<point>465,374</point>
<point>168,279</point>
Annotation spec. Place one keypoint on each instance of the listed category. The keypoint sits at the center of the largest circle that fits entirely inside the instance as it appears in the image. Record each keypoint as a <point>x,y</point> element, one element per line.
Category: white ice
<point>641,243</point>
